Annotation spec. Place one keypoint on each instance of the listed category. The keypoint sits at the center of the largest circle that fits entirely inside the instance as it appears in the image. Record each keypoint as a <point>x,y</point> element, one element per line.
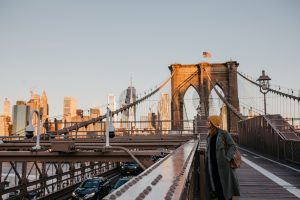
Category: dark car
<point>130,168</point>
<point>121,182</point>
<point>93,188</point>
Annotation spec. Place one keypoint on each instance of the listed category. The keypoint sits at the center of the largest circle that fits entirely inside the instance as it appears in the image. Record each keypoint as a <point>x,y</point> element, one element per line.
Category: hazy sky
<point>88,49</point>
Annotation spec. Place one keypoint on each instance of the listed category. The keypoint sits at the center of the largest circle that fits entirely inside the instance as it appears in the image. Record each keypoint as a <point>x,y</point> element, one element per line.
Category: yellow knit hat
<point>215,120</point>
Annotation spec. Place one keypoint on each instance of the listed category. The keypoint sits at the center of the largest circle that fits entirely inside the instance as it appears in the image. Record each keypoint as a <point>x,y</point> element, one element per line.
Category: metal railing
<point>97,130</point>
<point>43,179</point>
<point>274,139</point>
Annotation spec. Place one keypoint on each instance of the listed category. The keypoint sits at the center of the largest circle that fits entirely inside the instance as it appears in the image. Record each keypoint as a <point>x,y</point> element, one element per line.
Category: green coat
<point>228,177</point>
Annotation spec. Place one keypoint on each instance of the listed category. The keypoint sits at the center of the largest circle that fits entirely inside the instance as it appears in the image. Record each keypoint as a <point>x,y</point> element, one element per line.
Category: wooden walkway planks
<point>255,185</point>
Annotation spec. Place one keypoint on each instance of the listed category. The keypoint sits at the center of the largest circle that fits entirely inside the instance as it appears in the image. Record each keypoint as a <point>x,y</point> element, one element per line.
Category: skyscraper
<point>44,107</point>
<point>5,125</point>
<point>111,104</point>
<point>35,103</point>
<point>130,114</point>
<point>69,108</point>
<point>152,121</point>
<point>6,107</point>
<point>163,112</point>
<point>5,120</point>
<point>21,113</point>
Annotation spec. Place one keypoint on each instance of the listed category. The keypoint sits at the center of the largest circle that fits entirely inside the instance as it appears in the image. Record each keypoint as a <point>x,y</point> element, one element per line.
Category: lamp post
<point>30,129</point>
<point>110,130</point>
<point>264,85</point>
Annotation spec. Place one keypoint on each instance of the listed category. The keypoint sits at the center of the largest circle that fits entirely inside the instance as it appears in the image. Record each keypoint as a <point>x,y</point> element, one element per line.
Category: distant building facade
<point>94,112</point>
<point>40,104</point>
<point>44,107</point>
<point>5,125</point>
<point>5,119</point>
<point>111,104</point>
<point>6,107</point>
<point>69,108</point>
<point>21,112</point>
<point>163,113</point>
<point>152,121</point>
<point>130,114</point>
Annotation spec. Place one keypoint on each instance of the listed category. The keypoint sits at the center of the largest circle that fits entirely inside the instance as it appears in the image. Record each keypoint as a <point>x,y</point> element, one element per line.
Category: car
<point>120,182</point>
<point>93,188</point>
<point>130,168</point>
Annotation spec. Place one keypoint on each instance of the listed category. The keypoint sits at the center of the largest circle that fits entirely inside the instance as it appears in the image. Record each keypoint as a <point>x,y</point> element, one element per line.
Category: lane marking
<point>292,168</point>
<point>289,187</point>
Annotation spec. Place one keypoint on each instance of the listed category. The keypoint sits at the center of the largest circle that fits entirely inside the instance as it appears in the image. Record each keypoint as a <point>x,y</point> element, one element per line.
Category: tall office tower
<point>44,107</point>
<point>5,120</point>
<point>130,114</point>
<point>163,112</point>
<point>35,103</point>
<point>5,125</point>
<point>21,113</point>
<point>111,104</point>
<point>69,108</point>
<point>6,107</point>
<point>152,119</point>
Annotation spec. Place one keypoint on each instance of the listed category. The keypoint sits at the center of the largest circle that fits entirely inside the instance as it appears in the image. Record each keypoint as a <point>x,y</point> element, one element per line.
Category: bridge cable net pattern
<point>231,107</point>
<point>276,121</point>
<point>278,100</point>
<point>120,110</point>
<point>279,124</point>
<point>271,90</point>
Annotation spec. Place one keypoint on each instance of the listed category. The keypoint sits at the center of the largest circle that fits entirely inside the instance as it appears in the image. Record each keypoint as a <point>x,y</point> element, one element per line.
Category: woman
<point>222,182</point>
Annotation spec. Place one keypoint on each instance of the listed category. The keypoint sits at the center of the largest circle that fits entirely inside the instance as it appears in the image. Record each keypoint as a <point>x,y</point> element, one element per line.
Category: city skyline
<point>87,51</point>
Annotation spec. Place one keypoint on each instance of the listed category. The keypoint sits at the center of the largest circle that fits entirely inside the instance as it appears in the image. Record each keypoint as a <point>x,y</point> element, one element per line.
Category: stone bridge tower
<point>184,76</point>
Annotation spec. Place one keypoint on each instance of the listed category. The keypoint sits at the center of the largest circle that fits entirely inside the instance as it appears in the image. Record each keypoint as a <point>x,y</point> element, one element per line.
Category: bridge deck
<point>263,179</point>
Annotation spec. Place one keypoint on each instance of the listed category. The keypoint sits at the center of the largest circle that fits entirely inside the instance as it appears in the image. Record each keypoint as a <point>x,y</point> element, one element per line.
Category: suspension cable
<point>231,107</point>
<point>120,110</point>
<point>270,89</point>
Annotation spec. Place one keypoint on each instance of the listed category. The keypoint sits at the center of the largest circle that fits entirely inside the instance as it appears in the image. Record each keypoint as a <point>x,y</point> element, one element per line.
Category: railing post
<point>76,131</point>
<point>292,150</point>
<point>2,184</point>
<point>202,175</point>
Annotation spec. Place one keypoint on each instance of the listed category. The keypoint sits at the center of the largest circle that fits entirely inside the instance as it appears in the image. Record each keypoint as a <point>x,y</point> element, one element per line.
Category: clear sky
<point>88,49</point>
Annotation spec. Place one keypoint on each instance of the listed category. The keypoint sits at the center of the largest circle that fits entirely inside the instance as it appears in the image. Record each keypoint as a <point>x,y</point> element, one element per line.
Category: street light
<point>264,87</point>
<point>30,129</point>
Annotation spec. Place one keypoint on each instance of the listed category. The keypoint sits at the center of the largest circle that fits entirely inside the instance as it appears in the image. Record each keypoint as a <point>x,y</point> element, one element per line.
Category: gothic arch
<point>223,74</point>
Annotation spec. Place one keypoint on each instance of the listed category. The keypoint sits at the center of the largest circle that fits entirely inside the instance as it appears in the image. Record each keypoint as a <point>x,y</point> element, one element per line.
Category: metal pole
<point>37,146</point>
<point>38,133</point>
<point>107,127</point>
<point>265,104</point>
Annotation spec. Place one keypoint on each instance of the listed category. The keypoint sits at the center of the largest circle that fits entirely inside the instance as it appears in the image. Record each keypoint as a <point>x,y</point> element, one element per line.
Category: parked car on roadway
<point>130,168</point>
<point>92,188</point>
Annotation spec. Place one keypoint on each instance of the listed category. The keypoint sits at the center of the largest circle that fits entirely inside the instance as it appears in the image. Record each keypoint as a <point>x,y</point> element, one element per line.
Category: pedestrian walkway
<point>261,178</point>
